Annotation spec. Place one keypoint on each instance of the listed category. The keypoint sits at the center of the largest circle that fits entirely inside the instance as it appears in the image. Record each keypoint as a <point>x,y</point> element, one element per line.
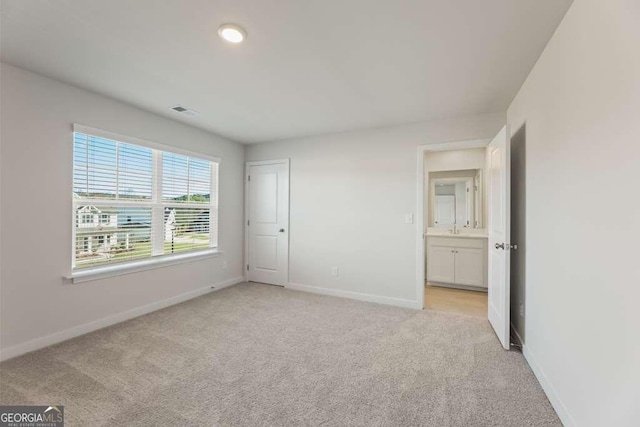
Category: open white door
<point>499,205</point>
<point>268,222</point>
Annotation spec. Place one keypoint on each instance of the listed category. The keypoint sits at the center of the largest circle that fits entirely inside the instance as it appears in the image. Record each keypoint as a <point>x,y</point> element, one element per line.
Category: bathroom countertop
<point>460,236</point>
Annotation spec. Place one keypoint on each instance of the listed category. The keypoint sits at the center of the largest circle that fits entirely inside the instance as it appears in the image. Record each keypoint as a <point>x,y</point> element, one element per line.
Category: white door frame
<point>423,204</point>
<point>246,210</point>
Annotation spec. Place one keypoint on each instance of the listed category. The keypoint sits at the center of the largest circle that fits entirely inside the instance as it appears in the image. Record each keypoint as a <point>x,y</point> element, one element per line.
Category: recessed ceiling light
<point>232,33</point>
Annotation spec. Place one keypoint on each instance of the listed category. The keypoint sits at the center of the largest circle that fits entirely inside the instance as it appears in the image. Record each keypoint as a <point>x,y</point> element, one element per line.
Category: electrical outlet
<point>521,310</point>
<point>224,265</point>
<point>334,271</point>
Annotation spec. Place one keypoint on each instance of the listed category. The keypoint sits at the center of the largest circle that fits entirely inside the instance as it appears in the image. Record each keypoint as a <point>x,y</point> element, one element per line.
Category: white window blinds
<point>132,201</point>
<point>187,184</point>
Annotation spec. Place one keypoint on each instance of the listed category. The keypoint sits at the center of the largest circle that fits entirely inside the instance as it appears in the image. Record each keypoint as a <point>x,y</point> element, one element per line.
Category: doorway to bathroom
<point>455,236</point>
<point>463,225</point>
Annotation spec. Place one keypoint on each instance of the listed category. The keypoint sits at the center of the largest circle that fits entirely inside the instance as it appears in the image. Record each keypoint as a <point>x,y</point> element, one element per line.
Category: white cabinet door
<point>441,264</point>
<point>469,267</point>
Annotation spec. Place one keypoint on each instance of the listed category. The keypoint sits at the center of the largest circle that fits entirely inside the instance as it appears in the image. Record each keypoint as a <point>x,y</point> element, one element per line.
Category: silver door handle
<point>499,245</point>
<point>282,230</point>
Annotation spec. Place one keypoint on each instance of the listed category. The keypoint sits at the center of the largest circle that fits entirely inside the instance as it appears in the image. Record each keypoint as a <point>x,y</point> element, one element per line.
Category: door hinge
<point>248,177</point>
<point>247,267</point>
<point>248,221</point>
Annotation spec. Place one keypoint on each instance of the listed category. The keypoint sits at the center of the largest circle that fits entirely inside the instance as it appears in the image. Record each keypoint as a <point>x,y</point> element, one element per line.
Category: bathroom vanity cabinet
<point>457,260</point>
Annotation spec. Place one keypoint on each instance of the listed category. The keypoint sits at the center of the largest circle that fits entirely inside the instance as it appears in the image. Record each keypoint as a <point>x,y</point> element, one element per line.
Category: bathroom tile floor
<point>458,301</point>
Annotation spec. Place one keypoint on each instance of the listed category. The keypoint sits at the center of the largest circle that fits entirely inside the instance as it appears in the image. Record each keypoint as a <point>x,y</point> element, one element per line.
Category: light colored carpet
<point>261,355</point>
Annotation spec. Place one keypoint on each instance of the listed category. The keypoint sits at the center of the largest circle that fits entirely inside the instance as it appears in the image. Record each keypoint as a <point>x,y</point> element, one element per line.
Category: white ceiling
<point>306,68</point>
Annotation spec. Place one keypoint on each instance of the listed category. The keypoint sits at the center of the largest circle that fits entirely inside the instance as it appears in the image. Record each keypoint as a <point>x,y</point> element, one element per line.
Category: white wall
<point>349,196</point>
<point>472,158</point>
<point>36,188</point>
<point>518,231</point>
<point>581,105</point>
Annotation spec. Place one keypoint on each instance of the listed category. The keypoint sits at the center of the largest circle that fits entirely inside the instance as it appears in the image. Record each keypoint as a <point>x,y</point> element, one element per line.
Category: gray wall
<point>581,104</point>
<point>518,231</point>
<point>36,216</point>
<point>350,193</point>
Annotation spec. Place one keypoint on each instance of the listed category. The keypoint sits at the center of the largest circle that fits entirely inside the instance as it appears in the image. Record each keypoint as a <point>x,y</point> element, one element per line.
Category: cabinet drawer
<point>456,242</point>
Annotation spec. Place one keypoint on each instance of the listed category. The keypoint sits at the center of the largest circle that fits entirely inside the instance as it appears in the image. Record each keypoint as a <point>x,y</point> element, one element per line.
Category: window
<point>84,243</point>
<point>149,202</point>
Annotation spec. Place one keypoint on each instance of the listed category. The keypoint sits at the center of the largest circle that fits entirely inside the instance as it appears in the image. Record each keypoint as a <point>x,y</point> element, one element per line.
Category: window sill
<point>98,273</point>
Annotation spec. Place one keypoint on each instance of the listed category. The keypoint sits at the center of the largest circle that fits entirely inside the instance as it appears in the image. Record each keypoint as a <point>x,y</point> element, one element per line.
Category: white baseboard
<point>57,337</point>
<point>566,419</point>
<point>454,286</point>
<point>356,295</point>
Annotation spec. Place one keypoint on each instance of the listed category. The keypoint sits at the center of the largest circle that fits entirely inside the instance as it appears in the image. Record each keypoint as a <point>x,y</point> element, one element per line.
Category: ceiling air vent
<point>184,110</point>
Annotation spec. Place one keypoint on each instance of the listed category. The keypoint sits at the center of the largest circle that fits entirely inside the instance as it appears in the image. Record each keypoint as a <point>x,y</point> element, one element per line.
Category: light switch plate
<point>408,218</point>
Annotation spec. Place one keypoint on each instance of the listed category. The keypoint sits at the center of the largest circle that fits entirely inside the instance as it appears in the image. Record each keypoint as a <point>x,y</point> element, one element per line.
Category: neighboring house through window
<point>133,200</point>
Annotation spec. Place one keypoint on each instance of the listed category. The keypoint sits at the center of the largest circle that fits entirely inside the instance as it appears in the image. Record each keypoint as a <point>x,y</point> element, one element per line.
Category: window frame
<point>157,206</point>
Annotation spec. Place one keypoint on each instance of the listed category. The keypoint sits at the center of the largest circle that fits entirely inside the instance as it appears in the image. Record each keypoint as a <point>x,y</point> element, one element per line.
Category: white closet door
<point>268,222</point>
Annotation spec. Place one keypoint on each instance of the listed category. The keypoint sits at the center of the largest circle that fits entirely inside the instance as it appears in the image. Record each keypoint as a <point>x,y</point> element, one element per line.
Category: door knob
<point>282,230</point>
<point>499,245</point>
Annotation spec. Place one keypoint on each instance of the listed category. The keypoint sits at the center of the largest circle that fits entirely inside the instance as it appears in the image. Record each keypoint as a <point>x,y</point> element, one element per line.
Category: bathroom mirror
<point>456,199</point>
